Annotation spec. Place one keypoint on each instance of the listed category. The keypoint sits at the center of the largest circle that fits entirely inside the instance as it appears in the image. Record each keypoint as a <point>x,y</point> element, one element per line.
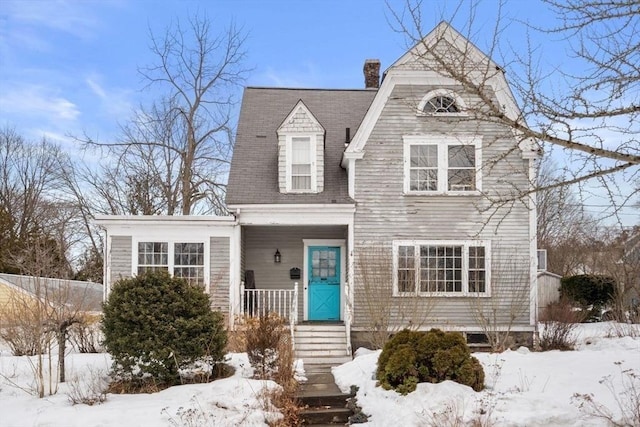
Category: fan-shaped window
<point>441,104</point>
<point>441,101</point>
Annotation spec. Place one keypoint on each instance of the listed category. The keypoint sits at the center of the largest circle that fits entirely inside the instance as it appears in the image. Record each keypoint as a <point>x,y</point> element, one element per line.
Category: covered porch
<point>294,261</point>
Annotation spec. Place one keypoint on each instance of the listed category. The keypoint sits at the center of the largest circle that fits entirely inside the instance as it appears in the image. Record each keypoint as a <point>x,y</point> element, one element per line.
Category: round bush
<point>411,357</point>
<point>154,325</point>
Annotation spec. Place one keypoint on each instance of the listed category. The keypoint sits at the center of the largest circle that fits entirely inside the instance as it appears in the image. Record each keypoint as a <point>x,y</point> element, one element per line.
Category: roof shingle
<point>253,178</point>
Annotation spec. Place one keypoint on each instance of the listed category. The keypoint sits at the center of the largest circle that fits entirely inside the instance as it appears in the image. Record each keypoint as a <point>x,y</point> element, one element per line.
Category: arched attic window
<point>441,101</point>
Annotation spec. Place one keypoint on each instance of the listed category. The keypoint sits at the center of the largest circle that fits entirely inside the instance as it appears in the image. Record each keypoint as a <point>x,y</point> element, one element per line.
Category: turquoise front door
<point>324,283</point>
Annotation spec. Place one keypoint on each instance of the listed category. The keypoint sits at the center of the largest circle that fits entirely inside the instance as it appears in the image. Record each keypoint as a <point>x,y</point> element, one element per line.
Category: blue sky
<point>70,66</point>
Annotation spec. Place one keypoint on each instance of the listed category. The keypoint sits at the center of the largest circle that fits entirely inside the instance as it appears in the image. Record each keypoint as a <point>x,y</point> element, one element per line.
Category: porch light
<point>277,257</point>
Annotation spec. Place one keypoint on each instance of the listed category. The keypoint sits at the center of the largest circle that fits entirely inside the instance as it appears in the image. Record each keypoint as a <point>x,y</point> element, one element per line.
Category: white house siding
<point>385,214</point>
<point>220,259</point>
<point>261,242</point>
<point>119,258</point>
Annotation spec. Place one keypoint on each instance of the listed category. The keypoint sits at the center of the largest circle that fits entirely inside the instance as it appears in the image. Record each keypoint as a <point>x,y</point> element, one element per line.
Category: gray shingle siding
<point>219,260</point>
<point>253,178</point>
<point>120,258</point>
<point>385,214</point>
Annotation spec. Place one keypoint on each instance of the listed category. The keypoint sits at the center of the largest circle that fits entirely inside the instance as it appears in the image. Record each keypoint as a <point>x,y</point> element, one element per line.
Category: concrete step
<point>320,334</point>
<point>307,339</point>
<point>326,360</point>
<point>318,327</point>
<point>320,352</point>
<point>333,400</point>
<point>321,346</point>
<point>315,416</point>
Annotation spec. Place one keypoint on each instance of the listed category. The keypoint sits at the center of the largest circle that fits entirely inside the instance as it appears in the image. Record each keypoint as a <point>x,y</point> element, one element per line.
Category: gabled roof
<point>300,110</point>
<point>253,178</point>
<point>406,64</point>
<point>88,295</point>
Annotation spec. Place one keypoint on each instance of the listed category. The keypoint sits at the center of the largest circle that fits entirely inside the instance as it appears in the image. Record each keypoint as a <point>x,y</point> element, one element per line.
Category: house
<point>355,210</point>
<point>25,290</point>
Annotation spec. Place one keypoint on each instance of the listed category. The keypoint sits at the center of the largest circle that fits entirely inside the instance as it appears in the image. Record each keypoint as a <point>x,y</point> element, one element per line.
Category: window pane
<point>406,271</point>
<point>152,254</point>
<point>424,180</point>
<point>301,182</point>
<point>441,268</point>
<point>461,156</point>
<point>477,269</point>
<point>462,179</point>
<point>300,150</point>
<point>441,104</point>
<point>425,156</point>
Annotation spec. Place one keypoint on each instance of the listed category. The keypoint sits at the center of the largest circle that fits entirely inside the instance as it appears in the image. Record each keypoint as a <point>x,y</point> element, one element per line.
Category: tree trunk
<point>62,342</point>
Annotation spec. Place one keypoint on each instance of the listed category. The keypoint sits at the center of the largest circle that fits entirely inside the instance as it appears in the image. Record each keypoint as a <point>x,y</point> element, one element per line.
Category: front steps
<point>322,402</point>
<point>321,343</point>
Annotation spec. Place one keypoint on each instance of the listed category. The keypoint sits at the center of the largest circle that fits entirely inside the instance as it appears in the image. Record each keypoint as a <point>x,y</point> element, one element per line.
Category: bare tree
<point>591,113</point>
<point>175,153</point>
<point>508,305</point>
<point>30,209</point>
<point>565,229</point>
<point>386,314</point>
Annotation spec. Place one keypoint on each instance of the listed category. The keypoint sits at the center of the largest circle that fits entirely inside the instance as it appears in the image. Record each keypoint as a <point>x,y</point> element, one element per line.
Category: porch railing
<point>261,302</point>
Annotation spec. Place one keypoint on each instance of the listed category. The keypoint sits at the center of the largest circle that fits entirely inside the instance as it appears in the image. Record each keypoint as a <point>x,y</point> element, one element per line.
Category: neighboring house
<point>84,296</point>
<point>322,179</point>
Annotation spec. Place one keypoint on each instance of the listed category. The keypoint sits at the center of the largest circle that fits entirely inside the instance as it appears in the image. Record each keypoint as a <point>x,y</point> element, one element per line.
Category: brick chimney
<point>372,73</point>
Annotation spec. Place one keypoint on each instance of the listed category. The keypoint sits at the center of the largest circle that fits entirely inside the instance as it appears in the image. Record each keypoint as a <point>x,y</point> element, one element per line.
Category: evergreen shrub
<point>589,290</point>
<point>155,326</point>
<point>411,357</point>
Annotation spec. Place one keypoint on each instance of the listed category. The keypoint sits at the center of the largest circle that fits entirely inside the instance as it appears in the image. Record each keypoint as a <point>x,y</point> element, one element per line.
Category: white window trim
<point>313,138</point>
<point>465,267</point>
<point>171,253</point>
<point>462,106</point>
<point>442,142</point>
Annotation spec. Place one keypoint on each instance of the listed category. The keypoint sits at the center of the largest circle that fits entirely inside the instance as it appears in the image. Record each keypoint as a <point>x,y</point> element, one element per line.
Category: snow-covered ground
<point>523,389</point>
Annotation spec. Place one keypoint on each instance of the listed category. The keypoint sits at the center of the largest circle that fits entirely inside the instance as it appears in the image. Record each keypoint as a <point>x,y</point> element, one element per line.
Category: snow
<point>523,388</point>
<point>233,401</point>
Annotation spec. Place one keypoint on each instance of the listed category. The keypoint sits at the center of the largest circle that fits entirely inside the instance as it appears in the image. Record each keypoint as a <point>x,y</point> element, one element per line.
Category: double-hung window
<point>300,163</point>
<point>181,259</point>
<point>428,268</point>
<point>442,164</point>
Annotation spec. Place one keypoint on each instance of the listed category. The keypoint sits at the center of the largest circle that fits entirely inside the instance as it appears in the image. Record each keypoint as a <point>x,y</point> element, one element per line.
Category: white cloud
<point>305,77</point>
<point>114,102</point>
<point>38,101</point>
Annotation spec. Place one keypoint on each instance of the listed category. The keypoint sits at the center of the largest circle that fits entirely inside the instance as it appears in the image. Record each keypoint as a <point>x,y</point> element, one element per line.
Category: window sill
<point>445,194</point>
<point>444,294</point>
<point>450,115</point>
<point>300,192</point>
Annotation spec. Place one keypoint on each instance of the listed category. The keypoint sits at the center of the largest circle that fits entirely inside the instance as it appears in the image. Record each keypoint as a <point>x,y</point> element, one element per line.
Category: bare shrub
<point>85,335</point>
<point>268,344</point>
<point>627,400</point>
<point>559,321</point>
<point>386,314</point>
<point>498,314</point>
<point>89,389</point>
<point>264,337</point>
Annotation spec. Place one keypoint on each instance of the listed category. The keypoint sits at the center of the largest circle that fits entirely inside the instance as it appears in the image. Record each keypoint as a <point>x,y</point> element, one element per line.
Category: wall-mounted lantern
<point>277,257</point>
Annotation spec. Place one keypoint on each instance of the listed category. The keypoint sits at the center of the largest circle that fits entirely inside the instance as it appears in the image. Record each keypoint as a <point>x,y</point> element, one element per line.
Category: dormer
<point>301,152</point>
